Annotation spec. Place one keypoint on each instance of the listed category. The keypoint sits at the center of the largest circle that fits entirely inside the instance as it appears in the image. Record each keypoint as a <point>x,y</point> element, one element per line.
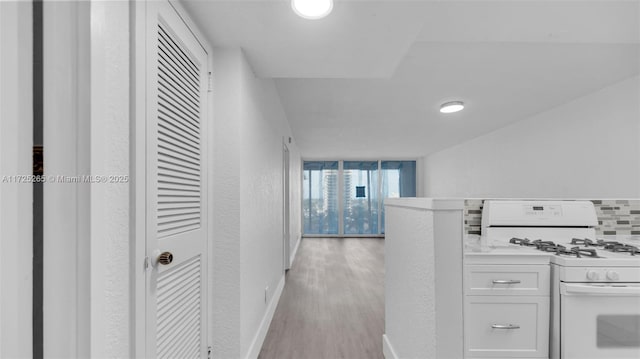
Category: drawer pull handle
<point>503,326</point>
<point>510,281</point>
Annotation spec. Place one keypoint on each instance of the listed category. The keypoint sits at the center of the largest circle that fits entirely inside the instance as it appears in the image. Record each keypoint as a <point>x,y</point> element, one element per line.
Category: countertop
<point>424,203</point>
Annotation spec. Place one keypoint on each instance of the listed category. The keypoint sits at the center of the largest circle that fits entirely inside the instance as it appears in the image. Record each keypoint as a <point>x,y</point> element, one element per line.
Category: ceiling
<point>367,81</point>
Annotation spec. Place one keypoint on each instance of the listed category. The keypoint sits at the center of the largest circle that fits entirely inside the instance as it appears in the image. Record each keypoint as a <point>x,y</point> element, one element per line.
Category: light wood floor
<point>333,302</point>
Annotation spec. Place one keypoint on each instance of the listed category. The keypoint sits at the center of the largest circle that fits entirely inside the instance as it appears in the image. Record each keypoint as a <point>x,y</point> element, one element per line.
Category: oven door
<point>600,321</point>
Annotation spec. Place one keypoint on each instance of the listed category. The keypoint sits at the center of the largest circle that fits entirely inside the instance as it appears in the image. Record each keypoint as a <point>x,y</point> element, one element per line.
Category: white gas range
<point>594,285</point>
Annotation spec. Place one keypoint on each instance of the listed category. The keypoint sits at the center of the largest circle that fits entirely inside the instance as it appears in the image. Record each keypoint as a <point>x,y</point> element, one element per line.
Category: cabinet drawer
<point>506,327</point>
<point>507,280</point>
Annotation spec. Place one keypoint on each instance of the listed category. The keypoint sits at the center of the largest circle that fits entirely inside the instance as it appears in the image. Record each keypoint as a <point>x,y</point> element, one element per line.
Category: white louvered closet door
<point>176,187</point>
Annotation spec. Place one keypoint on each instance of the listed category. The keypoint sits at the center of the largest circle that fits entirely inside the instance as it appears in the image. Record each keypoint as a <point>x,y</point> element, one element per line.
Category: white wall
<point>587,148</point>
<point>110,153</point>
<point>261,241</point>
<point>225,275</point>
<point>16,120</point>
<point>250,125</point>
<point>423,278</point>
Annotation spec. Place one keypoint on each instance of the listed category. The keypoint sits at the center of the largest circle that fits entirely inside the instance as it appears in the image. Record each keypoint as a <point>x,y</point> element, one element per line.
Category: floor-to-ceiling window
<point>398,180</point>
<point>360,200</point>
<point>320,197</point>
<point>347,197</point>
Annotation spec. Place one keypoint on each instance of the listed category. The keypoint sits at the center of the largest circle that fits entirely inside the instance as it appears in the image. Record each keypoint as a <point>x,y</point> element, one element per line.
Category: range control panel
<point>538,213</point>
<point>600,274</point>
<point>542,210</point>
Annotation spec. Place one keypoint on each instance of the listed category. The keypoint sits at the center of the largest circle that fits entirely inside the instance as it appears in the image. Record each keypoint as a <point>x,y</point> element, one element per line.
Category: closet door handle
<point>165,258</point>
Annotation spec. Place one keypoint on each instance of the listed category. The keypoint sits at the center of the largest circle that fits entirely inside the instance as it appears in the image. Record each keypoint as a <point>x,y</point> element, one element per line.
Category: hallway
<point>333,302</point>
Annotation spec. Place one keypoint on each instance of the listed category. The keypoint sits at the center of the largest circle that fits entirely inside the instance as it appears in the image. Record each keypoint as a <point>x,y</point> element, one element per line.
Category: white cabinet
<point>506,311</point>
<point>507,326</point>
<point>507,280</point>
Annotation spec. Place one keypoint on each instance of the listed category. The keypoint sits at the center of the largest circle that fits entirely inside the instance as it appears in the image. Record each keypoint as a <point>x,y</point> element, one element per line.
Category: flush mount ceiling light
<point>312,9</point>
<point>451,107</point>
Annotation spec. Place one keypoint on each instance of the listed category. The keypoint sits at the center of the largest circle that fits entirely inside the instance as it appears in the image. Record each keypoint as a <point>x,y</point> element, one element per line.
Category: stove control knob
<point>612,275</point>
<point>593,275</point>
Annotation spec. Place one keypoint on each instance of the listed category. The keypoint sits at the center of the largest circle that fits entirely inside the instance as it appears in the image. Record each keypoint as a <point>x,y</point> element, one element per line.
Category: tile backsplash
<point>618,217</point>
<point>615,216</point>
<point>472,215</point>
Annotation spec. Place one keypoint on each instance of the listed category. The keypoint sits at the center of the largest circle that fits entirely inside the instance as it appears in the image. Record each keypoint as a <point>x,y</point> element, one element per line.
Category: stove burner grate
<point>586,242</point>
<point>623,248</point>
<point>581,248</point>
<point>522,241</point>
<point>552,248</point>
<point>587,252</point>
<point>529,243</point>
<point>558,249</point>
<point>611,246</point>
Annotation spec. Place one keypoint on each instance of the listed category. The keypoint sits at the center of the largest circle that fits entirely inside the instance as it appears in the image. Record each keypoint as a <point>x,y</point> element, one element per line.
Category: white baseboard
<point>387,348</point>
<point>258,340</point>
<point>294,252</point>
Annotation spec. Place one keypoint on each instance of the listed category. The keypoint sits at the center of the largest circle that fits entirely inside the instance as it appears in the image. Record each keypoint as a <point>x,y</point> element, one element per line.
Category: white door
<point>176,187</point>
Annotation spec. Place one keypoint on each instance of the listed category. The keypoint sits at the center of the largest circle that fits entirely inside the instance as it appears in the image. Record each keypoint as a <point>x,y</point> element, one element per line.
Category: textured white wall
<point>410,307</point>
<point>16,245</point>
<point>249,128</point>
<point>587,148</point>
<point>110,153</point>
<point>225,244</point>
<point>423,278</point>
<point>261,200</point>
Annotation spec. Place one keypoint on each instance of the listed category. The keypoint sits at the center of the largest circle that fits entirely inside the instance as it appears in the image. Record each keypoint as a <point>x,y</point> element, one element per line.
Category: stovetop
<point>578,247</point>
<point>619,251</point>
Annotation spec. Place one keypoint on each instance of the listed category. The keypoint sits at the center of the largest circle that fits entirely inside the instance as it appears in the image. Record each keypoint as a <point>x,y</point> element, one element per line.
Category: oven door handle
<point>607,290</point>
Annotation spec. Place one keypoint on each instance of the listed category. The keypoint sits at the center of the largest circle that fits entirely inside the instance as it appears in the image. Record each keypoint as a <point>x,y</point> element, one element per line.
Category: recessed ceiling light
<point>312,9</point>
<point>451,107</point>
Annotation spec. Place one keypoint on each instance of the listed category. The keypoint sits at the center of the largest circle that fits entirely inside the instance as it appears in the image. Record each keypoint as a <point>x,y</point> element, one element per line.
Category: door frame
<point>67,145</point>
<point>138,178</point>
<point>138,126</point>
<point>286,207</point>
<point>16,139</point>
